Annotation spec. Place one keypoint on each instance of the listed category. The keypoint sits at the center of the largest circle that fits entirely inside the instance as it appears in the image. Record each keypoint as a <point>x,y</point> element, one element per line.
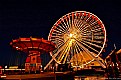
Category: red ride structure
<point>33,47</point>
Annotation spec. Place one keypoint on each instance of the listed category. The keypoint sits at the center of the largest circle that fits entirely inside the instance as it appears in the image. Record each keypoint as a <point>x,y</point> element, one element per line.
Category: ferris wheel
<point>80,38</point>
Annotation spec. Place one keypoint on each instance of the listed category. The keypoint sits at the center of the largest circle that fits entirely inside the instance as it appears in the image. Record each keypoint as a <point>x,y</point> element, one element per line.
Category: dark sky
<point>36,17</point>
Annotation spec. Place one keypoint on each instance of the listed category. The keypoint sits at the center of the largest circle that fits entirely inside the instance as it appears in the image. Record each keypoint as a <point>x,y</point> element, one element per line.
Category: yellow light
<point>13,67</point>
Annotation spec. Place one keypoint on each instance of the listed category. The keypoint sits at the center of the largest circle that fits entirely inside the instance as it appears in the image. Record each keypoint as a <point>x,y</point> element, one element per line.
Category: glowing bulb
<point>71,35</point>
<point>16,47</point>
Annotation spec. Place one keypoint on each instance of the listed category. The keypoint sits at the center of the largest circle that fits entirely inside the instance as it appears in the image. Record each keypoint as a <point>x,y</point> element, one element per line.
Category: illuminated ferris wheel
<point>79,36</point>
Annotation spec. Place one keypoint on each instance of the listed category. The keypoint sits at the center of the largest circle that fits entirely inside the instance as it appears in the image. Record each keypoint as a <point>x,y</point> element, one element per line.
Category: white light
<point>3,76</point>
<point>56,64</point>
<point>117,64</point>
<point>6,66</point>
<point>71,35</point>
<point>16,47</point>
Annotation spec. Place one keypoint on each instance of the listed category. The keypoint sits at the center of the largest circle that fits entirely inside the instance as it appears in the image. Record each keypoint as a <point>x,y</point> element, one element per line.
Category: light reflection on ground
<point>89,78</point>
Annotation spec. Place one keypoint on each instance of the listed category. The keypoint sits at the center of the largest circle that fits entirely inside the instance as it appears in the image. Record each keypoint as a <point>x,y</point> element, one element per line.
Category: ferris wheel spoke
<point>85,49</point>
<point>81,53</point>
<point>60,44</point>
<point>81,20</point>
<point>90,40</point>
<point>94,23</point>
<point>57,37</point>
<point>96,28</point>
<point>65,24</point>
<point>87,34</point>
<point>87,46</point>
<point>82,17</point>
<point>87,37</point>
<point>55,54</point>
<point>64,27</point>
<point>88,18</point>
<point>98,34</point>
<point>59,30</point>
<point>62,54</point>
<point>76,25</point>
<point>58,41</point>
<point>92,44</point>
<point>92,20</point>
<point>68,23</point>
<point>94,38</point>
<point>73,54</point>
<point>66,55</point>
<point>76,52</point>
<point>85,27</point>
<point>79,23</point>
<point>72,15</point>
<point>98,38</point>
<point>77,58</point>
<point>90,47</point>
<point>98,31</point>
<point>61,48</point>
<point>82,25</point>
<point>60,25</point>
<point>63,43</point>
<point>56,32</point>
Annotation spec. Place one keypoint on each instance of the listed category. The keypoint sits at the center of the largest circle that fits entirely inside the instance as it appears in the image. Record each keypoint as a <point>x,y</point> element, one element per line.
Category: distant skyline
<point>35,18</point>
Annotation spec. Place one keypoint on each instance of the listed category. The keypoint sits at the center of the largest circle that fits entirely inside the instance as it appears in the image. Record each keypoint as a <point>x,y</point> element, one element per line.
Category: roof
<point>32,44</point>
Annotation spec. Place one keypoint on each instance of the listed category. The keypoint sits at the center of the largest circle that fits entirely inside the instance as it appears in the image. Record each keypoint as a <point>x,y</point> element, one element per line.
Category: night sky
<point>36,17</point>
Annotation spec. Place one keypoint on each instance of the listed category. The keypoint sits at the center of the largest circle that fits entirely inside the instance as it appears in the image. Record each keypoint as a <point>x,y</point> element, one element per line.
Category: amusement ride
<point>33,47</point>
<point>80,38</point>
